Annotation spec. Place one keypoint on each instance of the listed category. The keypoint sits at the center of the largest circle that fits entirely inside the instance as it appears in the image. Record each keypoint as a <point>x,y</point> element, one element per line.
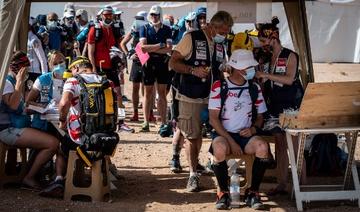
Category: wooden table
<point>343,192</point>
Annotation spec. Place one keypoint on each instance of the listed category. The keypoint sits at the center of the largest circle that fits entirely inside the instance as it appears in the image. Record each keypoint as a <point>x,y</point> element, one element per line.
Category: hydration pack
<point>98,120</point>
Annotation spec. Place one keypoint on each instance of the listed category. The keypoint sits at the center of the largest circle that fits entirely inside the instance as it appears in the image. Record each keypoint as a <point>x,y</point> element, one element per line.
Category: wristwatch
<point>162,45</point>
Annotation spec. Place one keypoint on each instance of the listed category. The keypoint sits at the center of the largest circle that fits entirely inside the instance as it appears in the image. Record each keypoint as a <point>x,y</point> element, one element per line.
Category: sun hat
<point>241,59</point>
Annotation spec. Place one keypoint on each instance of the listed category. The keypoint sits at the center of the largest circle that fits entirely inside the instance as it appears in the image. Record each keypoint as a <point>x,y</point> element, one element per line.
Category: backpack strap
<point>223,95</point>
<point>253,91</point>
<point>254,94</point>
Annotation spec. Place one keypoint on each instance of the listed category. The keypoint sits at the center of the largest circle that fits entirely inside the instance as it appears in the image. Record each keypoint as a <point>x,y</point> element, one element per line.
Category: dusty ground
<point>148,185</point>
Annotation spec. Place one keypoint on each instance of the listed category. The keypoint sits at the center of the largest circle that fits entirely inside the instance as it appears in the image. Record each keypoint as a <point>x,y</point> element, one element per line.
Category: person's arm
<point>126,40</point>
<point>289,76</point>
<point>40,55</point>
<point>32,97</point>
<point>12,100</point>
<point>91,47</point>
<point>64,106</point>
<point>177,64</point>
<point>247,132</point>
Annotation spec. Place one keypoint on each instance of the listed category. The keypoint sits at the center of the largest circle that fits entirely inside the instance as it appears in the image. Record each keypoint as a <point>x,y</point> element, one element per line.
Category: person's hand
<point>260,74</point>
<point>62,125</point>
<point>235,148</point>
<point>76,45</point>
<point>20,76</point>
<point>201,71</point>
<point>134,57</point>
<point>247,132</point>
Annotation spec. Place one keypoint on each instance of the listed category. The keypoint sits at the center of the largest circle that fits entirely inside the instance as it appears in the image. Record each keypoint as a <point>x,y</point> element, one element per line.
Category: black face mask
<point>108,21</point>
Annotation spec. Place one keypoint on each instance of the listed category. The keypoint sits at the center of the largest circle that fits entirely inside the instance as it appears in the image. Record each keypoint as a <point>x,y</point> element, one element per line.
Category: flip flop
<point>30,187</point>
<point>276,191</point>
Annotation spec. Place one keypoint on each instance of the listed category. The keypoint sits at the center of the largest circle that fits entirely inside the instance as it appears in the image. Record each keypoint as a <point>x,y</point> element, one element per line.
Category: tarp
<point>11,13</point>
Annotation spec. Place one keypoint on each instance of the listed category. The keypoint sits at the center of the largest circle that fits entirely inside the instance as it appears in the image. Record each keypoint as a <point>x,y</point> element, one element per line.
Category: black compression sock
<point>221,173</point>
<point>258,171</point>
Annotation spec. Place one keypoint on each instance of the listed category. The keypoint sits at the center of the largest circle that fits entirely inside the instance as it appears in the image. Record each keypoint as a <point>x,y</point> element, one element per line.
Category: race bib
<point>281,66</point>
<point>219,52</point>
<point>200,47</point>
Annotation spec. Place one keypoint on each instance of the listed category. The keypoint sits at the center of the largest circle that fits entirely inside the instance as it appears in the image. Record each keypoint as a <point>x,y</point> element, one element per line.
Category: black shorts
<point>242,141</point>
<point>156,69</point>
<point>136,73</point>
<point>66,145</point>
<point>110,75</point>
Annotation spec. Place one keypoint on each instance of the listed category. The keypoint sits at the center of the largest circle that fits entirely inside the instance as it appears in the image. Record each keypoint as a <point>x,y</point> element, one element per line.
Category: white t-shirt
<point>72,85</point>
<point>237,111</point>
<point>57,84</point>
<point>8,88</point>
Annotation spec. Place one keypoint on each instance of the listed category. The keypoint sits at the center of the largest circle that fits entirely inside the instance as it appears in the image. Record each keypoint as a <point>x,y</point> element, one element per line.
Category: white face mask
<point>219,38</point>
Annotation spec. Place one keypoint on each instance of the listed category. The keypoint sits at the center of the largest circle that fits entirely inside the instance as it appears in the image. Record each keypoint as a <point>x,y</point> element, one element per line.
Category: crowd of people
<point>226,83</point>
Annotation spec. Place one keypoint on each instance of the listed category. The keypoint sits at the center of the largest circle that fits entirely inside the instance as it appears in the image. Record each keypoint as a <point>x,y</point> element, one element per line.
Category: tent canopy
<point>15,15</point>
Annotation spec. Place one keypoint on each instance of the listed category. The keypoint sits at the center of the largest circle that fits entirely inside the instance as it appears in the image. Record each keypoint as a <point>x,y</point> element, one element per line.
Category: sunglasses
<point>70,19</point>
<point>153,14</point>
<point>108,15</point>
<point>202,17</point>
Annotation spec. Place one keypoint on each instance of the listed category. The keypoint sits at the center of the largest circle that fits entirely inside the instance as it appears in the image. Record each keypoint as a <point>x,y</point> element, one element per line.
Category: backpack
<point>98,119</point>
<point>323,157</point>
<point>253,91</point>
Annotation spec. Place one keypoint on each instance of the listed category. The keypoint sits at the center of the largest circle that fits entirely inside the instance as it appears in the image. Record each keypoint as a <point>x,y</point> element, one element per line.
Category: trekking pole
<point>101,70</point>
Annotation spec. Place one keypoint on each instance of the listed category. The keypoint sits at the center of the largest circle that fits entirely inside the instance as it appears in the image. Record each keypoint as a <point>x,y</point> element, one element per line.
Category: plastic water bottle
<point>235,190</point>
<point>233,165</point>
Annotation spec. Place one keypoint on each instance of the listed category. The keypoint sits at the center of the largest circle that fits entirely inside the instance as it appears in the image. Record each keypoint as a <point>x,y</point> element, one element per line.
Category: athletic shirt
<point>36,55</point>
<point>237,111</point>
<point>72,85</point>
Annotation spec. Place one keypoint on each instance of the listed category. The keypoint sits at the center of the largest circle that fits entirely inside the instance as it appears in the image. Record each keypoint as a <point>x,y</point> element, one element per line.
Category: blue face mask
<point>219,38</point>
<point>250,73</point>
<point>59,69</point>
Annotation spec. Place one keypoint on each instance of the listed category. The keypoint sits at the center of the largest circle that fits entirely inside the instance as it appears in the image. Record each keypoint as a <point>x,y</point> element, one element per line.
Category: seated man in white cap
<point>236,106</point>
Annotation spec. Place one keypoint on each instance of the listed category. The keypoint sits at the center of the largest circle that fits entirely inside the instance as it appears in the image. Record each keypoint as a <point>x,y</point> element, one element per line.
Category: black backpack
<point>323,158</point>
<point>253,91</point>
<point>98,120</point>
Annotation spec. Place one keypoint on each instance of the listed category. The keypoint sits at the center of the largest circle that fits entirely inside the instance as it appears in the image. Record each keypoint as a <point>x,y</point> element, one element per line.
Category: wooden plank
<point>330,105</point>
<point>336,72</point>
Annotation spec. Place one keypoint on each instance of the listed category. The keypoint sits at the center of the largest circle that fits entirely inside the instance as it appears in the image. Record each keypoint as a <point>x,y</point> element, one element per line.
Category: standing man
<point>283,91</point>
<point>100,41</point>
<point>155,39</point>
<point>136,74</point>
<point>197,58</point>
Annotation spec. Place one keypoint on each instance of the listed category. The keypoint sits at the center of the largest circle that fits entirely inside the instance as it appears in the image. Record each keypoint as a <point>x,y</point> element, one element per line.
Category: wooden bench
<point>16,173</point>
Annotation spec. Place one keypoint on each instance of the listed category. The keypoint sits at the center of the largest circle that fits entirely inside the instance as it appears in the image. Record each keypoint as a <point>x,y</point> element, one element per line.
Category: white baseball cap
<point>155,9</point>
<point>68,14</point>
<point>191,16</point>
<point>117,11</point>
<point>241,59</point>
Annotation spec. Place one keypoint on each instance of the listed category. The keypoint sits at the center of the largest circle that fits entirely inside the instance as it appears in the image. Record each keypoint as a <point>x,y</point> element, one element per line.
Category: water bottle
<point>235,190</point>
<point>233,165</point>
<point>97,31</point>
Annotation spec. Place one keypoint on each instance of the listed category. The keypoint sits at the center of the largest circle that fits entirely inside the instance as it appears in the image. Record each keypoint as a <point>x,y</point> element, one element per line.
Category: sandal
<point>29,187</point>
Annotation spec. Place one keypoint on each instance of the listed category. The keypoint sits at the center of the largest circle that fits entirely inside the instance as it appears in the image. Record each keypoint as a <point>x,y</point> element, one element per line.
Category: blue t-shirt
<point>152,37</point>
<point>54,37</point>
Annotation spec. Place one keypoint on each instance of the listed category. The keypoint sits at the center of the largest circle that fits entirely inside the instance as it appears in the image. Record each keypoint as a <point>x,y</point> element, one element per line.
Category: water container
<point>233,165</point>
<point>235,190</point>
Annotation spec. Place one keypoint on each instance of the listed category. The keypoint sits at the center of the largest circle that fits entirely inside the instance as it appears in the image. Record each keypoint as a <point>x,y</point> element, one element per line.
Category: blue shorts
<point>241,141</point>
<point>10,135</point>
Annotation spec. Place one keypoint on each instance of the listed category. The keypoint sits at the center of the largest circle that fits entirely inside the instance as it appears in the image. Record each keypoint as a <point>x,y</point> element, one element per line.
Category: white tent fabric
<point>10,17</point>
<point>334,30</point>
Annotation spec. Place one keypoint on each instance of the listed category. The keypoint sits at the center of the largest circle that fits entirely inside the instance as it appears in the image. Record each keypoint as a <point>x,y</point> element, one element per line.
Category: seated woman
<point>14,124</point>
<point>47,88</point>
